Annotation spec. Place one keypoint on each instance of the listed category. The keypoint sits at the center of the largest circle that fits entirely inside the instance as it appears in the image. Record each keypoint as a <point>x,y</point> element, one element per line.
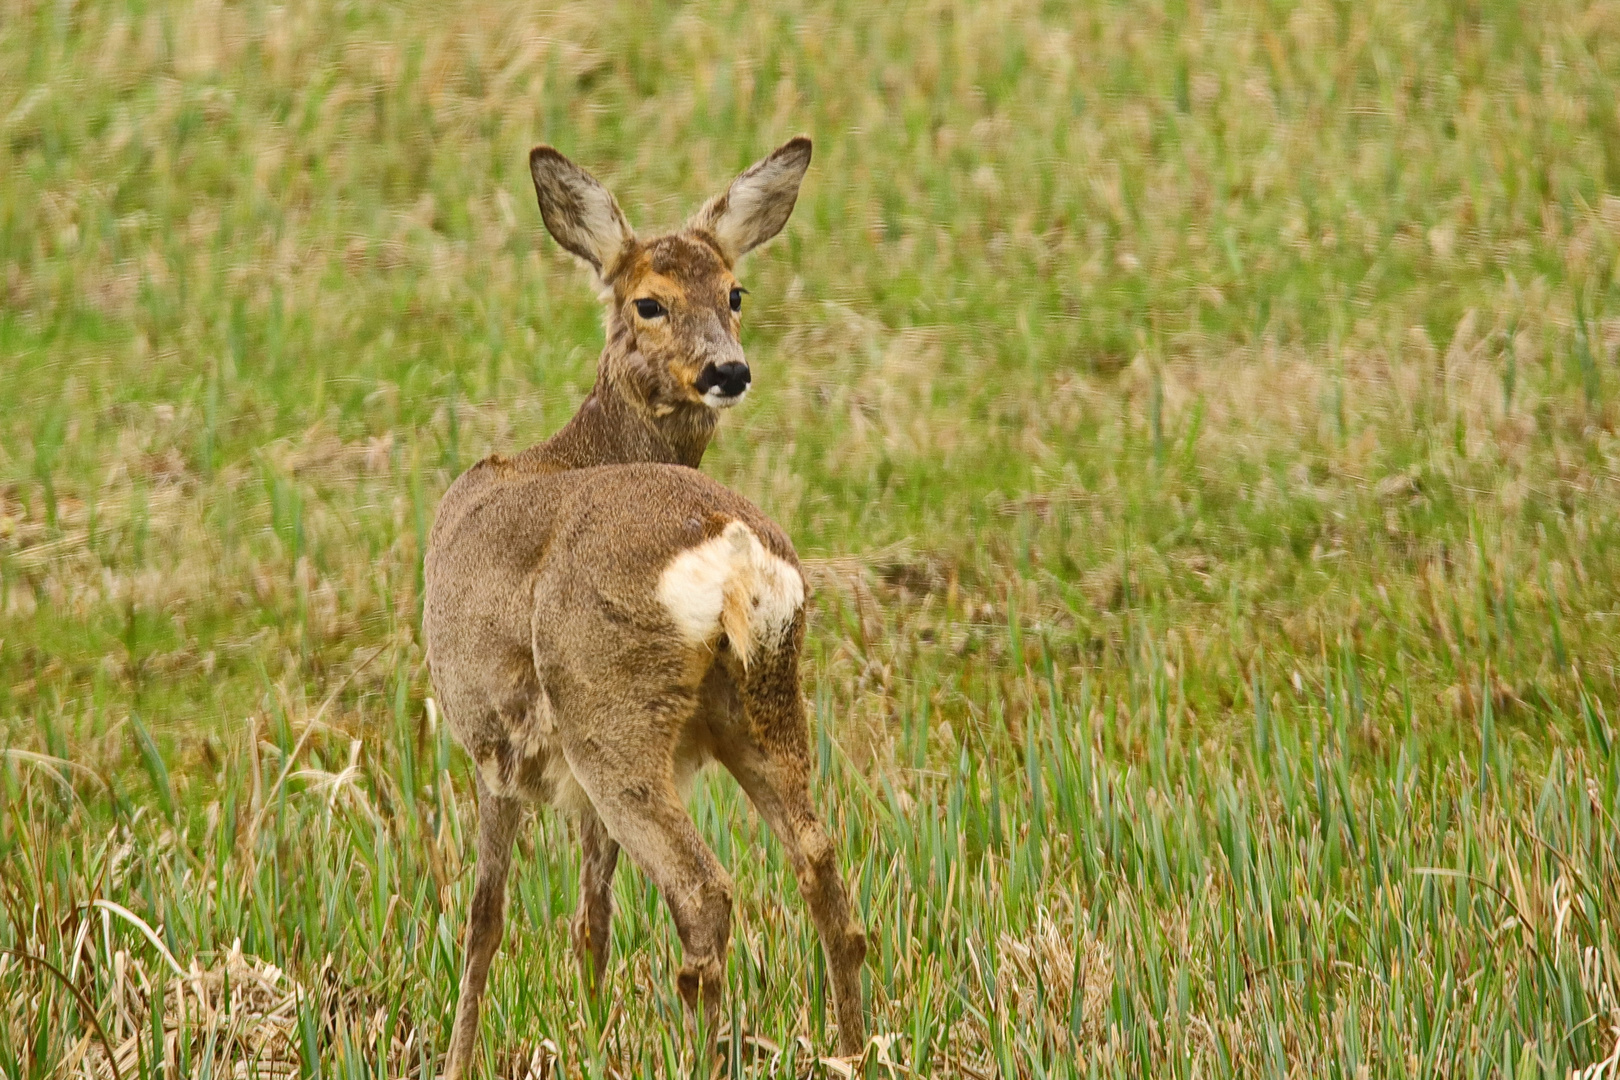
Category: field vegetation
<point>1199,422</point>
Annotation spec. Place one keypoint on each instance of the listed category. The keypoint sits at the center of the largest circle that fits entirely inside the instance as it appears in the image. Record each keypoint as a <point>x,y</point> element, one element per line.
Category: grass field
<point>1199,420</point>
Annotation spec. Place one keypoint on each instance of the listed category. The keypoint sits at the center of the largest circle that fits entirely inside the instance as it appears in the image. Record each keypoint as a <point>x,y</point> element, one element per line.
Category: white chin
<point>714,399</point>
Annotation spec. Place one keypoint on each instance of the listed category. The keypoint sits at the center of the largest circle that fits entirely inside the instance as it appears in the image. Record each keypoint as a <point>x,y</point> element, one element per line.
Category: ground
<point>1198,422</point>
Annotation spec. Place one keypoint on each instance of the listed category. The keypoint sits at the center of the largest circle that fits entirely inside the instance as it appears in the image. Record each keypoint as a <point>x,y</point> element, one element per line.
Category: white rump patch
<point>732,584</point>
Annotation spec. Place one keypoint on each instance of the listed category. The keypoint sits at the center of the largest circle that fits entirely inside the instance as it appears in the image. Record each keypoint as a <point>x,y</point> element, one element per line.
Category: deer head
<point>674,301</point>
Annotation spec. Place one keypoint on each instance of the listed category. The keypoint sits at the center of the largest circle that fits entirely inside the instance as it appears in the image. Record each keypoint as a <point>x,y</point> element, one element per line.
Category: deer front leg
<point>593,922</point>
<point>497,827</point>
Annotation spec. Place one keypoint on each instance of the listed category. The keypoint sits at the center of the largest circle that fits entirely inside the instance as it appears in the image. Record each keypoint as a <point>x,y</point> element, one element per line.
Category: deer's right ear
<point>580,213</point>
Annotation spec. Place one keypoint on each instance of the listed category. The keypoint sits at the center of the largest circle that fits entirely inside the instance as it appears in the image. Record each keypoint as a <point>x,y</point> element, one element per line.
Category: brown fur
<point>568,615</point>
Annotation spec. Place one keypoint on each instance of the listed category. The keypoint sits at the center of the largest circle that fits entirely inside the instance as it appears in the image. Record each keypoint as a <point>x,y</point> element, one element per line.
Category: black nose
<point>730,378</point>
<point>734,378</point>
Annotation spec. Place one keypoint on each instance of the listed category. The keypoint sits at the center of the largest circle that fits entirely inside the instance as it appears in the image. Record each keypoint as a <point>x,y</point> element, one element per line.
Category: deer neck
<point>617,425</point>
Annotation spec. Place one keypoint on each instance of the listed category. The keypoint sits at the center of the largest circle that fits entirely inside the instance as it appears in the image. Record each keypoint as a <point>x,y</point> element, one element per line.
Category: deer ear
<point>580,213</point>
<point>757,204</point>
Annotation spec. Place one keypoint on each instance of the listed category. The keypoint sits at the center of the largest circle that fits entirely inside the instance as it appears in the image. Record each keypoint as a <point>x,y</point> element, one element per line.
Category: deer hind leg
<point>769,754</point>
<point>633,793</point>
<point>594,920</point>
<point>498,820</point>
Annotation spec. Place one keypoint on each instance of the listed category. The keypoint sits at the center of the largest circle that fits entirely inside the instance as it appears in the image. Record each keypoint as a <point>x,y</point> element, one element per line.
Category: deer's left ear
<point>757,204</point>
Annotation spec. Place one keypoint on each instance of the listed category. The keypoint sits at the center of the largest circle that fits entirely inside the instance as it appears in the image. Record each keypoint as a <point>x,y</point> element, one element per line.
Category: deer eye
<point>650,309</point>
<point>736,298</point>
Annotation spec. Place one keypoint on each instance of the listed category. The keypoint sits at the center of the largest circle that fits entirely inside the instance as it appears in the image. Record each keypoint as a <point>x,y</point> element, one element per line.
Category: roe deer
<point>601,619</point>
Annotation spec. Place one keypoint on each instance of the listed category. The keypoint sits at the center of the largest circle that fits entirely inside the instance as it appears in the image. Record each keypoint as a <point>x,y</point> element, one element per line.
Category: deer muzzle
<point>723,385</point>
